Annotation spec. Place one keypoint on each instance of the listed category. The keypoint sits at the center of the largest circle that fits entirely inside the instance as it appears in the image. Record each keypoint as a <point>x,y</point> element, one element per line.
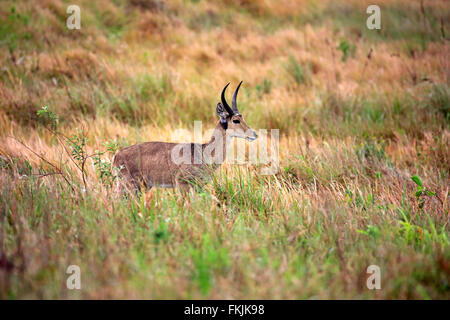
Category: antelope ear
<point>221,112</point>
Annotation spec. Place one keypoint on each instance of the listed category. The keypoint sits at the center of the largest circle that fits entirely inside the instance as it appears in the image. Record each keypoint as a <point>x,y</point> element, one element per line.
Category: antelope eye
<point>236,121</point>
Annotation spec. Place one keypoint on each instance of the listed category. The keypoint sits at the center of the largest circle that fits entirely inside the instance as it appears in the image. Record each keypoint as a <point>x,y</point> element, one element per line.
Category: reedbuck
<point>164,164</point>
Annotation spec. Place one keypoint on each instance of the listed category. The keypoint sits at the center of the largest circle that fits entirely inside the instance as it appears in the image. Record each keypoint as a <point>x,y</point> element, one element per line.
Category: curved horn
<point>224,101</point>
<point>233,102</point>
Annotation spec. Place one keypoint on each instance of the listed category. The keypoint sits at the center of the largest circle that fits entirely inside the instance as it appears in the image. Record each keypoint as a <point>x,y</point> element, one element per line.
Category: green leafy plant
<point>104,167</point>
<point>410,232</point>
<point>347,49</point>
<point>76,147</point>
<point>47,117</point>
<point>371,231</point>
<point>77,143</point>
<point>421,191</point>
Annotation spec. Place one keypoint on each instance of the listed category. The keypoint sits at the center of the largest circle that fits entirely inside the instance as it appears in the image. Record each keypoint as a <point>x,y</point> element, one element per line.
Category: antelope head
<point>231,120</point>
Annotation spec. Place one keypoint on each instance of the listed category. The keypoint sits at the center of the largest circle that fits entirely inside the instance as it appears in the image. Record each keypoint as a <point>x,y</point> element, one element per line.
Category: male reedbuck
<point>164,164</point>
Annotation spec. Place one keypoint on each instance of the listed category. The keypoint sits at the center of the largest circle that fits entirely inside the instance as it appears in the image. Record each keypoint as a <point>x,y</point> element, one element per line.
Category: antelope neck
<point>222,143</point>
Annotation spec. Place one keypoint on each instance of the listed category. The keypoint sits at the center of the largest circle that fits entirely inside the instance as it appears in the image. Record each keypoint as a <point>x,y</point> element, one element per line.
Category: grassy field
<point>364,149</point>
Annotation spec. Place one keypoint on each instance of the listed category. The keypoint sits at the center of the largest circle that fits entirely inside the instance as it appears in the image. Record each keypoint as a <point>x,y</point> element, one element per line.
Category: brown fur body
<point>150,164</point>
